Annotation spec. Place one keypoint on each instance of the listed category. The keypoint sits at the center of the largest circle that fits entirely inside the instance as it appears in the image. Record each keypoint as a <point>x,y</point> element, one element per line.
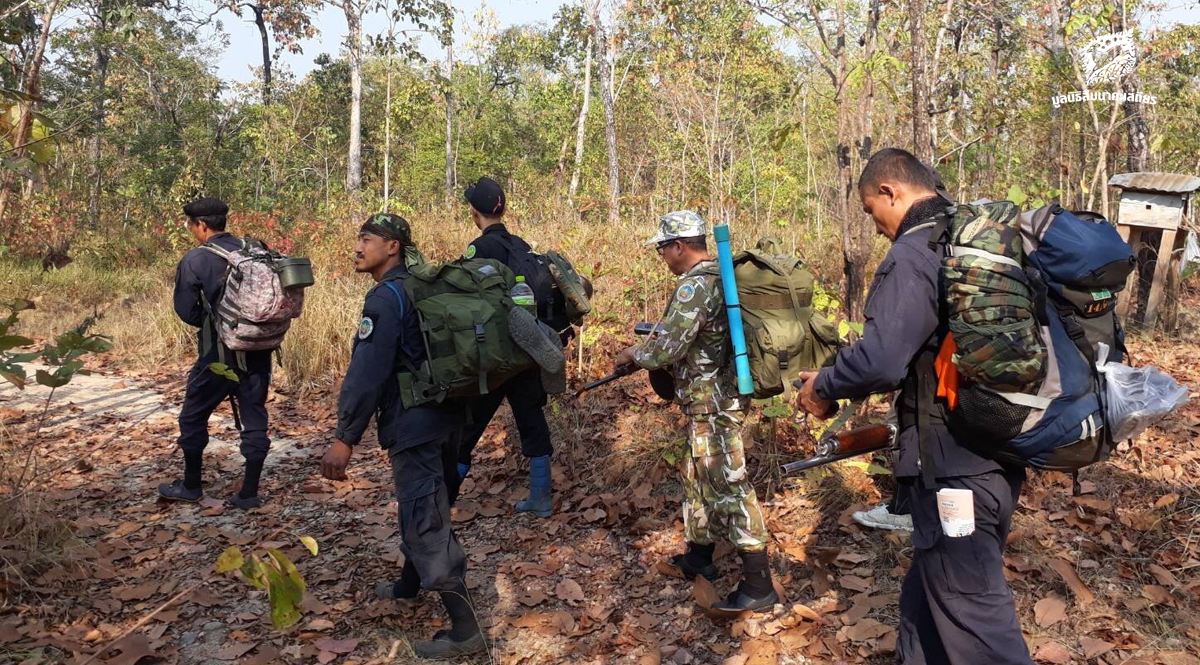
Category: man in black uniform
<point>199,284</point>
<point>955,605</point>
<point>525,393</point>
<point>421,442</point>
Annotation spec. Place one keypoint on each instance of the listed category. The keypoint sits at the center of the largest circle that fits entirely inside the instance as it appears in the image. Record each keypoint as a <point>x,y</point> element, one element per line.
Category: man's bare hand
<point>808,398</point>
<point>625,357</point>
<point>335,460</point>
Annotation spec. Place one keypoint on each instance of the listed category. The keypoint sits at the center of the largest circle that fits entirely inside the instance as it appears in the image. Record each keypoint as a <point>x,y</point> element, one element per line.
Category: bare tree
<point>581,123</point>
<point>922,136</point>
<point>353,12</point>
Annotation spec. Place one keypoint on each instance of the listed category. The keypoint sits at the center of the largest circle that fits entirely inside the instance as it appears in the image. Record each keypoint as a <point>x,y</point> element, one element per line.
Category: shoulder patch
<point>366,327</point>
<point>685,293</point>
<point>470,253</point>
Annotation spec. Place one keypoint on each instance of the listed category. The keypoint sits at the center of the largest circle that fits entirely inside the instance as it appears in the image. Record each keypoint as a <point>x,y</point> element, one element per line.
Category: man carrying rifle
<point>955,605</point>
<point>694,345</point>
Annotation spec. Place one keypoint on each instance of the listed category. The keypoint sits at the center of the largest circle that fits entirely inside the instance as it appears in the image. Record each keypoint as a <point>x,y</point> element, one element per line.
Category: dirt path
<point>1103,578</point>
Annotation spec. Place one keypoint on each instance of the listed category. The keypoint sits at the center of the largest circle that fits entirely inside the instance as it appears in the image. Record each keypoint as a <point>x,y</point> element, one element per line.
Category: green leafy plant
<point>63,355</point>
<point>274,572</point>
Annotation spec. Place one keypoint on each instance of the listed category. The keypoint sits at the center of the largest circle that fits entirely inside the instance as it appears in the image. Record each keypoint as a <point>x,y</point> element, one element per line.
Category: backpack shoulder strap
<point>223,253</point>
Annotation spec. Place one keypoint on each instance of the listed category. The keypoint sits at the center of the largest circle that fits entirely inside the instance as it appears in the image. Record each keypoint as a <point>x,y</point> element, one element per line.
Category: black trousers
<point>206,390</point>
<point>427,483</point>
<point>955,605</point>
<point>527,398</point>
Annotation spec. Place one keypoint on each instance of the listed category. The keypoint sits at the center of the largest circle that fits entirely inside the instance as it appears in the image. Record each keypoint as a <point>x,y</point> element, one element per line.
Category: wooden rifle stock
<point>843,445</point>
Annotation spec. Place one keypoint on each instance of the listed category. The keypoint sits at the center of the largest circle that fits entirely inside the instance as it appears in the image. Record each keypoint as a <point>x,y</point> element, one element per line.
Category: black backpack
<point>535,268</point>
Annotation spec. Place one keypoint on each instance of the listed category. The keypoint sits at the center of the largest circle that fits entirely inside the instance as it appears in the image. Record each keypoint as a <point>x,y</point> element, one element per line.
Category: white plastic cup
<point>956,509</point>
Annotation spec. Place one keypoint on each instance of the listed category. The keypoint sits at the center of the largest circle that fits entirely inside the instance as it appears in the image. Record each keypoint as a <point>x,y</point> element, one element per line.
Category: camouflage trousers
<point>719,501</point>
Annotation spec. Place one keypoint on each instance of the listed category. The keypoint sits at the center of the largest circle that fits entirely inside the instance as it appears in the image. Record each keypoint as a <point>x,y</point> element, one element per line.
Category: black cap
<point>486,196</point>
<point>206,207</point>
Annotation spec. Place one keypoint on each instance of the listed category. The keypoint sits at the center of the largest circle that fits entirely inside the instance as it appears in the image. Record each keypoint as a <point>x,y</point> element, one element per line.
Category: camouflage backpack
<point>784,336</point>
<point>1030,301</point>
<point>264,291</point>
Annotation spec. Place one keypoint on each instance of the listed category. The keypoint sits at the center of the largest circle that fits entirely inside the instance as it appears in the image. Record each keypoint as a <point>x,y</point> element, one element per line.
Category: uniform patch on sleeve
<point>470,253</point>
<point>685,293</point>
<point>366,327</point>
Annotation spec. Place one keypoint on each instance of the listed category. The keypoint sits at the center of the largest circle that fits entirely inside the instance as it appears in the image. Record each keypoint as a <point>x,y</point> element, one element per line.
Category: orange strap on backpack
<point>947,373</point>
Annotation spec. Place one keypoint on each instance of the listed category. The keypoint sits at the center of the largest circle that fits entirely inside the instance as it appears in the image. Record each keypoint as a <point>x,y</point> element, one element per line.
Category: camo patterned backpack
<point>1030,301</point>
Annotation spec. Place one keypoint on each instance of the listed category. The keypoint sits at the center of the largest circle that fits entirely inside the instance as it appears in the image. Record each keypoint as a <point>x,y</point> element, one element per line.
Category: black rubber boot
<point>247,497</point>
<point>406,588</point>
<point>244,503</point>
<point>464,637</point>
<point>177,491</point>
<point>755,593</point>
<point>698,560</point>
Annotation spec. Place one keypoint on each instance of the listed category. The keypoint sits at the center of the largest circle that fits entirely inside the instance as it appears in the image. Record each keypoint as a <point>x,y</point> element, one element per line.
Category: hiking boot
<point>244,503</point>
<point>443,646</point>
<point>175,491</point>
<point>541,500</point>
<point>880,518</point>
<point>738,602</point>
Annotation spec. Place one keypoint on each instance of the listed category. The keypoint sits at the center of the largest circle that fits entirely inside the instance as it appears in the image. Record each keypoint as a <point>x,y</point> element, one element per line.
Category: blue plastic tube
<point>733,309</point>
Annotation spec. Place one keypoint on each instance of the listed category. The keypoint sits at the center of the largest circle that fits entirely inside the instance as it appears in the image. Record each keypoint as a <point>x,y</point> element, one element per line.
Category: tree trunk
<point>922,135</point>
<point>857,228</point>
<point>1136,128</point>
<point>449,115</point>
<point>354,44</point>
<point>581,128</point>
<point>95,144</point>
<point>266,52</point>
<point>610,130</point>
<point>31,82</point>
<point>387,123</point>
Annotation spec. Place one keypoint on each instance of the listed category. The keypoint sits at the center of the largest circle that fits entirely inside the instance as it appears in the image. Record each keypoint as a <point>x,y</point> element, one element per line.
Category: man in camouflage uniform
<point>694,345</point>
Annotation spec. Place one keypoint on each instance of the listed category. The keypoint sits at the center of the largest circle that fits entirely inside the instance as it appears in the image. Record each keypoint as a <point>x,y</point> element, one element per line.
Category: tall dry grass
<point>631,284</point>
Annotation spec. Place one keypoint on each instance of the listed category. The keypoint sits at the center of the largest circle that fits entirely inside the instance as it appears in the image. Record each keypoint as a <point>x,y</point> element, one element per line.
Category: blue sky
<point>244,51</point>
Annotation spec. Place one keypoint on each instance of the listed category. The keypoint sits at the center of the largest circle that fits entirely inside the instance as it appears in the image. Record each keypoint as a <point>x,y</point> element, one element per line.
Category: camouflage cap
<point>387,225</point>
<point>679,224</point>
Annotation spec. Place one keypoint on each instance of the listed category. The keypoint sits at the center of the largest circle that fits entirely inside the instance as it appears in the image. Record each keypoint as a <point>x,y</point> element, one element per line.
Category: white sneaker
<point>879,518</point>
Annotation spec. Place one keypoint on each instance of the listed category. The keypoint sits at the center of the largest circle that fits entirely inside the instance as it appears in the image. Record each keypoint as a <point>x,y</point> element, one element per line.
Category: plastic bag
<point>1191,256</point>
<point>1138,397</point>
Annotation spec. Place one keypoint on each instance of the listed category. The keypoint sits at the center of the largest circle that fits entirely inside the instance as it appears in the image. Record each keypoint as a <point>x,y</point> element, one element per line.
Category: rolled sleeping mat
<point>553,383</point>
<point>527,333</point>
<point>741,362</point>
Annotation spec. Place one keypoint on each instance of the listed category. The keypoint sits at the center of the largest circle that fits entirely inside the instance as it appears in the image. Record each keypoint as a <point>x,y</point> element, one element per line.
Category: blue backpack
<point>1074,265</point>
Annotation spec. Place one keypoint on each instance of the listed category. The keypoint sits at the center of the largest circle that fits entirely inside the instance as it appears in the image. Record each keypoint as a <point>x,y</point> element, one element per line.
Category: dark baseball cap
<point>206,207</point>
<point>486,196</point>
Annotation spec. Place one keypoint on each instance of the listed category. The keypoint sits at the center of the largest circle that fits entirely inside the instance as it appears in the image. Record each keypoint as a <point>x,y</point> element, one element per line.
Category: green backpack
<point>464,308</point>
<point>784,336</point>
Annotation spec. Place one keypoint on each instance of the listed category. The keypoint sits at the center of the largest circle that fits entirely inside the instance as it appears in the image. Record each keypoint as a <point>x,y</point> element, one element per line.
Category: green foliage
<point>223,370</point>
<point>276,573</point>
<point>63,355</point>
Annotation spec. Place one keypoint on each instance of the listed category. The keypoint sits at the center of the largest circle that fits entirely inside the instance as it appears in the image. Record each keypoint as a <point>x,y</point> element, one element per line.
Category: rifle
<point>839,446</point>
<point>641,329</point>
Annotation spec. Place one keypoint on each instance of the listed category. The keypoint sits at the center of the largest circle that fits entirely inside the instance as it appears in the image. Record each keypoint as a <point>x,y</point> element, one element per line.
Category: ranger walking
<point>524,392</point>
<point>421,442</point>
<point>199,286</point>
<point>694,345</point>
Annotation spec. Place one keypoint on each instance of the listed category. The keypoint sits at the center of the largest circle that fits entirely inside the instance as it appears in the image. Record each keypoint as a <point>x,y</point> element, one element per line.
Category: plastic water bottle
<point>522,295</point>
